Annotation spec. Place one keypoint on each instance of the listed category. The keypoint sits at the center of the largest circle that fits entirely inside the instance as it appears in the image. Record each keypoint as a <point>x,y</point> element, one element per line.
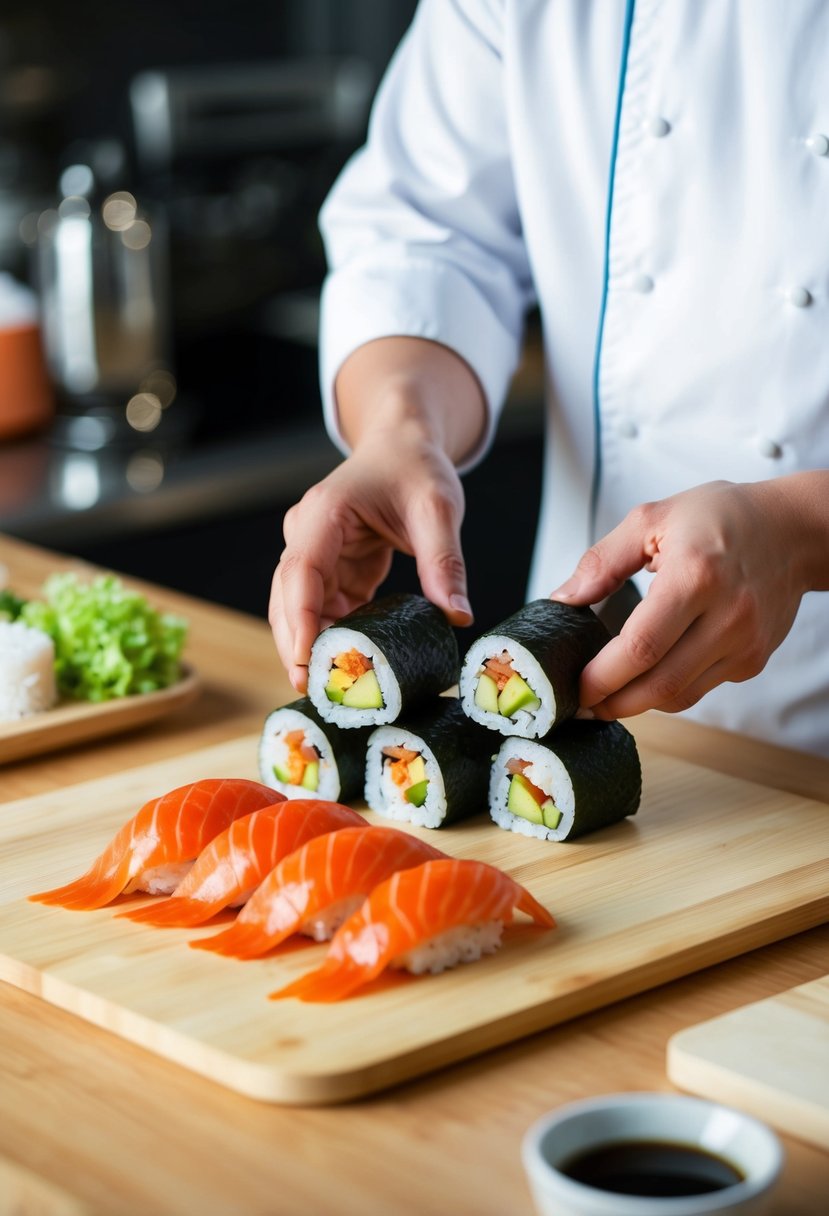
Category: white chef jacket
<point>655,176</point>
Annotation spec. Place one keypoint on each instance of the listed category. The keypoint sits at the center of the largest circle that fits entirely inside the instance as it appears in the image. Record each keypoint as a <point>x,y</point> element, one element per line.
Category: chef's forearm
<point>805,499</point>
<point>415,384</point>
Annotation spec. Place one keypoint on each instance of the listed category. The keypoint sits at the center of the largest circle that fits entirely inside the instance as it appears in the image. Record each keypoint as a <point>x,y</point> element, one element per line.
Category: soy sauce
<point>651,1168</point>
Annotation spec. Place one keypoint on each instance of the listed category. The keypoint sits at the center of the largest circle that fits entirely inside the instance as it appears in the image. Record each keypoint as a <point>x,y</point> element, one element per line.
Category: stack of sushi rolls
<point>303,756</point>
<point>582,776</point>
<point>555,776</point>
<point>385,658</point>
<point>523,677</point>
<point>432,771</point>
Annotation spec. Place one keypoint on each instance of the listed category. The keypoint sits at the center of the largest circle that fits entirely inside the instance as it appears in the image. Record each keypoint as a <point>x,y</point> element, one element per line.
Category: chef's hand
<point>731,563</point>
<point>409,408</point>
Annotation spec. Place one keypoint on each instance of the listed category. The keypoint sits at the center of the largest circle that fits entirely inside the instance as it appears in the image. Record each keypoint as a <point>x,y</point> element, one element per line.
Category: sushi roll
<point>382,659</point>
<point>430,771</point>
<point>583,776</point>
<point>300,754</point>
<point>423,919</point>
<point>523,677</point>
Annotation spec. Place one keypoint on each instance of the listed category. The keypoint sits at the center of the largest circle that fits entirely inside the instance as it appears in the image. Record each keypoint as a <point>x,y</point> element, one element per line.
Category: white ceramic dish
<point>743,1141</point>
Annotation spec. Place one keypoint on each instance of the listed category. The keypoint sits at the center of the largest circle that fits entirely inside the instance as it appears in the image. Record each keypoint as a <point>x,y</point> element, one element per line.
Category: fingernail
<point>586,715</point>
<point>460,604</point>
<point>566,591</point>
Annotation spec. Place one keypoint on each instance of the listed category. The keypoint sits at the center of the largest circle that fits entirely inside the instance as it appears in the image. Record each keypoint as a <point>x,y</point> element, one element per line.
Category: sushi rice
<point>545,771</point>
<point>333,641</point>
<point>589,771</point>
<point>387,798</point>
<point>27,671</point>
<point>461,944</point>
<point>529,723</point>
<point>273,753</point>
<point>455,755</point>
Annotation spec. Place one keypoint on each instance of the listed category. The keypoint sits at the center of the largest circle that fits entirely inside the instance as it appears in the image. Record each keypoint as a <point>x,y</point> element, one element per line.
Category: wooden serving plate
<point>80,721</point>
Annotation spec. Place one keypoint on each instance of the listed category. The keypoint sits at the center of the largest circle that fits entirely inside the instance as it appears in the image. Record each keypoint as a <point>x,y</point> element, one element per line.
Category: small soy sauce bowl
<point>650,1154</point>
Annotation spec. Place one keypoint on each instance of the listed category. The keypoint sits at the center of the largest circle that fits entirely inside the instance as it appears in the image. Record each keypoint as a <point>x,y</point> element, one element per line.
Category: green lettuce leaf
<point>109,641</point>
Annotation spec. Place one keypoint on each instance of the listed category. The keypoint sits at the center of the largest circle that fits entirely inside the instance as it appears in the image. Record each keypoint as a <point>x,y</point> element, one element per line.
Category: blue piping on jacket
<point>597,413</point>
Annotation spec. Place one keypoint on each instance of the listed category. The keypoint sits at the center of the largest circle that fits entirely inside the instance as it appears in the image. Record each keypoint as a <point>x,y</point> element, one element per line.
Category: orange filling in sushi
<point>408,772</point>
<point>352,681</point>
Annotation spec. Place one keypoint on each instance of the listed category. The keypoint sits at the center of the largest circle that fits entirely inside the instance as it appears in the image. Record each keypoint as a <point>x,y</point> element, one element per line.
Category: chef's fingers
<point>313,542</point>
<point>433,524</point>
<point>283,637</point>
<point>653,628</point>
<point>607,564</point>
<point>699,660</point>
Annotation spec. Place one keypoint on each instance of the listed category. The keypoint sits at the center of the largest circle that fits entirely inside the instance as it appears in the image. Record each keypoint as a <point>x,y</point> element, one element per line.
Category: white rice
<point>160,880</point>
<point>274,750</point>
<point>544,770</point>
<point>530,724</point>
<point>329,644</point>
<point>324,924</point>
<point>27,671</point>
<point>388,799</point>
<point>461,944</point>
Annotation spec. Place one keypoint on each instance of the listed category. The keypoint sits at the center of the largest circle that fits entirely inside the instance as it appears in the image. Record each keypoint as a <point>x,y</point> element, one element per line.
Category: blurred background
<point>161,169</point>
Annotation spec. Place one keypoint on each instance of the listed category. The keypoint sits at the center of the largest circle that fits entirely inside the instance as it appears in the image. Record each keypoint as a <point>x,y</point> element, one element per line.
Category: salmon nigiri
<point>236,861</point>
<point>153,850</point>
<point>316,888</point>
<point>423,919</point>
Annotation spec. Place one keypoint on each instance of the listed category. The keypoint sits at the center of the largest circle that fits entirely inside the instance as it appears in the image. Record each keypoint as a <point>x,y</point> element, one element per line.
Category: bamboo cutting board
<point>770,1058</point>
<point>711,866</point>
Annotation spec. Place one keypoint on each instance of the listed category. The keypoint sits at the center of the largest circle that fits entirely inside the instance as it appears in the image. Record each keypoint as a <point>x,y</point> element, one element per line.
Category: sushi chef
<point>654,176</point>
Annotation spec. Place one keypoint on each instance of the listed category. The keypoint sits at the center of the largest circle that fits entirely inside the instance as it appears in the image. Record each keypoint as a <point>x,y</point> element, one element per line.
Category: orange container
<point>26,397</point>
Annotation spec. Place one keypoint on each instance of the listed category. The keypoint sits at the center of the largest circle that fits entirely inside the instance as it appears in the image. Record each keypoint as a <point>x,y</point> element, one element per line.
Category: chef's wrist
<point>410,388</point>
<point>805,497</point>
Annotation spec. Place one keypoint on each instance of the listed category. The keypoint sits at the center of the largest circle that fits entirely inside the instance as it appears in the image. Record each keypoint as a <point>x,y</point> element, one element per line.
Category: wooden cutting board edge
<point>264,1083</point>
<point>744,930</point>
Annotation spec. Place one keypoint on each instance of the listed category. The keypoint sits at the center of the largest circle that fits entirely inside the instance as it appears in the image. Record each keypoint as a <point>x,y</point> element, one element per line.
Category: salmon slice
<point>166,831</point>
<point>311,889</point>
<point>413,908</point>
<point>235,862</point>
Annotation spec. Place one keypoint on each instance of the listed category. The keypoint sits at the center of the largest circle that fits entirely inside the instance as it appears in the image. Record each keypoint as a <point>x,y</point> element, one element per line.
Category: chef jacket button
<point>769,447</point>
<point>628,429</point>
<point>800,297</point>
<point>658,127</point>
<point>642,283</point>
<point>818,144</point>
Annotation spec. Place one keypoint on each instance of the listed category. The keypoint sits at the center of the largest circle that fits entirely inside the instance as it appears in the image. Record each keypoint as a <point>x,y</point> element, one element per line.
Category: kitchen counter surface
<point>92,1124</point>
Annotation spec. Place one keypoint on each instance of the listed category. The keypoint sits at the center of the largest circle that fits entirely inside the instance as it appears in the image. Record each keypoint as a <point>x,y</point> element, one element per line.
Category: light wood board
<point>80,721</point>
<point>710,867</point>
<point>770,1058</point>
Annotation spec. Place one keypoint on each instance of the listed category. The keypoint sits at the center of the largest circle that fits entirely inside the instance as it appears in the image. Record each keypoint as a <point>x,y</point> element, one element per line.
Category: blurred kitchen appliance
<point>101,266</point>
<point>193,114</point>
<point>239,158</point>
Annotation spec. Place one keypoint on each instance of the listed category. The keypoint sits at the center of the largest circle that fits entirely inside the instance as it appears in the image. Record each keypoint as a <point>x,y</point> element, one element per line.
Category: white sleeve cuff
<point>418,298</point>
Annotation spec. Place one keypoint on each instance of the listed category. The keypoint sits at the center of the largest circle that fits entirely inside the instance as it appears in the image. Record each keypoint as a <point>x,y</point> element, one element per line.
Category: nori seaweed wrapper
<point>417,641</point>
<point>461,748</point>
<point>603,764</point>
<point>348,748</point>
<point>562,638</point>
